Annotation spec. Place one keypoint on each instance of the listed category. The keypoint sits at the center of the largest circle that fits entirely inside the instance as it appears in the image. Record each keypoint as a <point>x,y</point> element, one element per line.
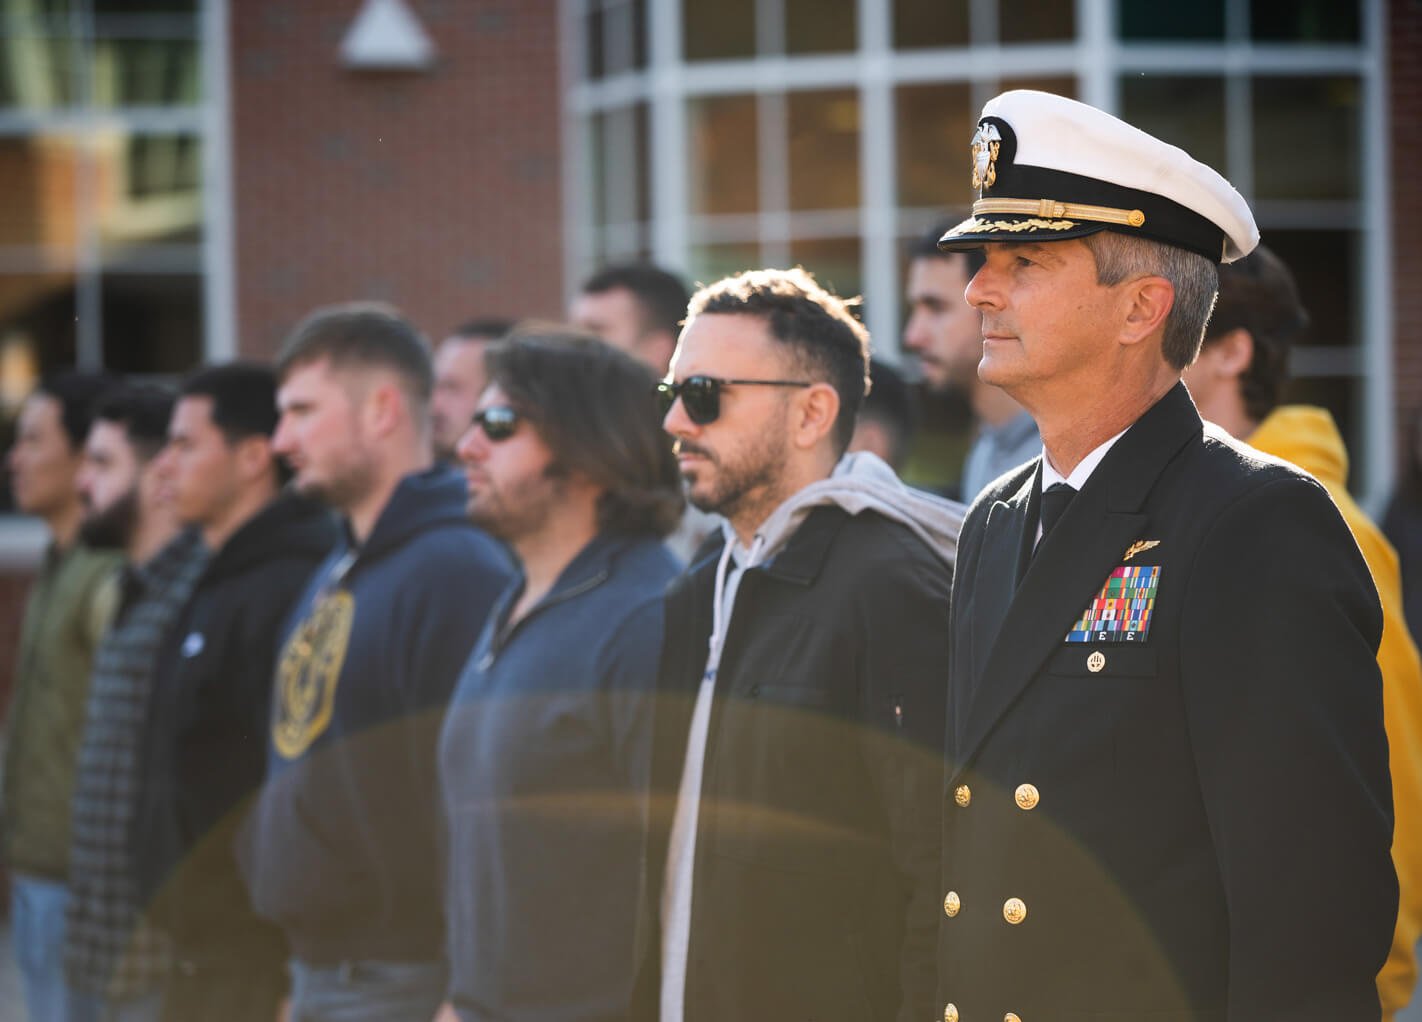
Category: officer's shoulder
<point>1230,469</point>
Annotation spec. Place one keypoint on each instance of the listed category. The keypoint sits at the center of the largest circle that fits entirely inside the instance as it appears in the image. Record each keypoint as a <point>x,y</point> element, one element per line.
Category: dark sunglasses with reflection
<point>499,422</point>
<point>701,395</point>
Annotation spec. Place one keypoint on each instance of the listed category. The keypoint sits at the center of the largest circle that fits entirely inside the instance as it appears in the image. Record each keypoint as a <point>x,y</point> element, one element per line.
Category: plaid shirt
<point>109,951</point>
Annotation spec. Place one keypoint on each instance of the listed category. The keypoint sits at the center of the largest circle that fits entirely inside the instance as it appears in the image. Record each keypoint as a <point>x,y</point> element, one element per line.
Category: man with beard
<point>115,962</point>
<point>543,760</point>
<point>342,849</point>
<point>945,333</point>
<point>204,749</point>
<point>66,614</point>
<point>459,380</point>
<point>792,867</point>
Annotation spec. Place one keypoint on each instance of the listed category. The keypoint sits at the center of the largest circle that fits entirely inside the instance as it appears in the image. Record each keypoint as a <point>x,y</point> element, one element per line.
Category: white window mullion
<point>1098,56</point>
<point>667,127</point>
<point>1376,272</point>
<point>88,253</point>
<point>879,266</point>
<point>578,173</point>
<point>219,279</point>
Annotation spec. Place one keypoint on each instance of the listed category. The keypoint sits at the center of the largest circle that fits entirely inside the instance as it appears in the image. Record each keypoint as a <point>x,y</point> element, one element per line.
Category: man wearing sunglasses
<point>792,858</point>
<point>342,849</point>
<point>543,758</point>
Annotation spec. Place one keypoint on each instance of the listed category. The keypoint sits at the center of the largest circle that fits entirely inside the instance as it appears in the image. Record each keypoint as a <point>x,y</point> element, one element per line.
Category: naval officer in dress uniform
<point>1167,794</point>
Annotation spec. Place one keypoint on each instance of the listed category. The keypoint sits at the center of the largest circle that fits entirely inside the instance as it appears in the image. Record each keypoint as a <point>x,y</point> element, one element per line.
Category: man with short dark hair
<point>460,379</point>
<point>1238,383</point>
<point>887,422</point>
<point>115,961</point>
<point>945,333</point>
<point>792,863</point>
<point>543,759</point>
<point>1165,724</point>
<point>635,307</point>
<point>342,849</point>
<point>203,748</point>
<point>66,613</point>
<point>639,308</point>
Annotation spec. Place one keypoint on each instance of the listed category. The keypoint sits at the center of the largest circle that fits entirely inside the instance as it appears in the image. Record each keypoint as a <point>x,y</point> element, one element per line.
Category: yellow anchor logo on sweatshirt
<point>307,673</point>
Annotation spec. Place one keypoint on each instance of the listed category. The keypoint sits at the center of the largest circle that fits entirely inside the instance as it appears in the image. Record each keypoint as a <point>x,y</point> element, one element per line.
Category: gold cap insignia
<point>987,145</point>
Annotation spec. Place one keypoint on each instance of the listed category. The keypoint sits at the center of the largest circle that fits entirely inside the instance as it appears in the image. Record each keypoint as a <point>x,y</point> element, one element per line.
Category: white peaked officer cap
<point>1048,168</point>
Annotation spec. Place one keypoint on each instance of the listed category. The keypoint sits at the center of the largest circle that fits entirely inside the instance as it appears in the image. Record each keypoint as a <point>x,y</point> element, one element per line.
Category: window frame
<point>1097,57</point>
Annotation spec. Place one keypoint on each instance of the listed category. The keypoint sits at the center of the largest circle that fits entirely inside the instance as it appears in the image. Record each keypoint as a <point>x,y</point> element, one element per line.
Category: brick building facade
<point>437,190</point>
<point>1405,40</point>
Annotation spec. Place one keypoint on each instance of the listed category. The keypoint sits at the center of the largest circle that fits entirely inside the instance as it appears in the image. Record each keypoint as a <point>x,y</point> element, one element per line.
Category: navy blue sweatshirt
<point>342,849</point>
<point>543,765</point>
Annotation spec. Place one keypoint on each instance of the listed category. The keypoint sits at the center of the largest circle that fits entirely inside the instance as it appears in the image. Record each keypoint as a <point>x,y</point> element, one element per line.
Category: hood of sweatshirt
<point>863,482</point>
<point>290,526</point>
<point>422,501</point>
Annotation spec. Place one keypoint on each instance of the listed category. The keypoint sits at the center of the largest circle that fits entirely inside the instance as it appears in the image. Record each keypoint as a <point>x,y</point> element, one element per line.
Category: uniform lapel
<point>1071,565</point>
<point>1005,551</point>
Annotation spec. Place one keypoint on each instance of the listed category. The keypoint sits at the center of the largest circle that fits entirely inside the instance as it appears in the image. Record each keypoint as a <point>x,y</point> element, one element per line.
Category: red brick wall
<point>438,190</point>
<point>1405,42</point>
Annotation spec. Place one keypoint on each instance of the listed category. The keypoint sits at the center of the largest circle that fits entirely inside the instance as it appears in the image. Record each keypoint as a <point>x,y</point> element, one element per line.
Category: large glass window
<point>830,133</point>
<point>103,127</point>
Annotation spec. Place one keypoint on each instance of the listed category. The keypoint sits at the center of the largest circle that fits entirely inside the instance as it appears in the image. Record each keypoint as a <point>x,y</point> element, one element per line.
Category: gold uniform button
<point>952,904</point>
<point>950,1012</point>
<point>962,795</point>
<point>1027,797</point>
<point>1012,1016</point>
<point>1014,910</point>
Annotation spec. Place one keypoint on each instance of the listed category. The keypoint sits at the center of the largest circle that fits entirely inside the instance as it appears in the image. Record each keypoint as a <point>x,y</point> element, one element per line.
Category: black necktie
<point>1055,499</point>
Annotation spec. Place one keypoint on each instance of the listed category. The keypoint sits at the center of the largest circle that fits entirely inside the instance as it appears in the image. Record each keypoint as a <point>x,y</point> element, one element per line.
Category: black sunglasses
<point>497,421</point>
<point>701,395</point>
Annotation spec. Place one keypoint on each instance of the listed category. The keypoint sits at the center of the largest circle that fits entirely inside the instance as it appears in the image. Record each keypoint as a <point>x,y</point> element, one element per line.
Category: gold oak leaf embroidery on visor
<point>1013,226</point>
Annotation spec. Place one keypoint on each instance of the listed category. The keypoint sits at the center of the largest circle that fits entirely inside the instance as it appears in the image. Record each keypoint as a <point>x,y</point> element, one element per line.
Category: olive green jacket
<point>68,611</point>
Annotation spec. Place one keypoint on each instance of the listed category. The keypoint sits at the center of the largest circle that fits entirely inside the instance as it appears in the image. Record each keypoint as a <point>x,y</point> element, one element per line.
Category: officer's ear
<point>1148,303</point>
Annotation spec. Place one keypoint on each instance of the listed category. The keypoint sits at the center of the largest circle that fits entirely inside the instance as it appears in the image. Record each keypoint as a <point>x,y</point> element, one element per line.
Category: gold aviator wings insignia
<point>1140,546</point>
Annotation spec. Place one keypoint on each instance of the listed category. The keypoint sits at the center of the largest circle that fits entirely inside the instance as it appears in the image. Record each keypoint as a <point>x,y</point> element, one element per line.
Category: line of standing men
<point>730,803</point>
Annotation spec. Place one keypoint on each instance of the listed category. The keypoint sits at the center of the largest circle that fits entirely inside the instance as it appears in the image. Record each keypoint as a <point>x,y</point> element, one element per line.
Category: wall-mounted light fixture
<point>386,36</point>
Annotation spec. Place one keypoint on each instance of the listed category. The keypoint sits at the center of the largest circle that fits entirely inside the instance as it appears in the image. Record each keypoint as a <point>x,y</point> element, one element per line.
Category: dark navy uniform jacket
<point>1167,793</point>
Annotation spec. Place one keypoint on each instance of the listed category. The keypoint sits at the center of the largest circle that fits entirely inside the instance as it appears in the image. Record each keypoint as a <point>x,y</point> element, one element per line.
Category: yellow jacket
<point>1308,438</point>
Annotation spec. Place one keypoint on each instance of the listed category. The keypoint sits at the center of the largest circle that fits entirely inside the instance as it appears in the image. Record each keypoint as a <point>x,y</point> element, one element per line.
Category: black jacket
<point>1189,820</point>
<point>816,851</point>
<point>204,744</point>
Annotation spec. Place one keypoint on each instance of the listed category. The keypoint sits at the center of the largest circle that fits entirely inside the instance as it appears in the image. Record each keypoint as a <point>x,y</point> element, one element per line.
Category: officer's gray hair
<point>1195,279</point>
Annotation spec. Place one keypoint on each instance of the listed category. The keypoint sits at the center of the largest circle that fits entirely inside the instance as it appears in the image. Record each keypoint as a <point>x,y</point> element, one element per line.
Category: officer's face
<point>1047,323</point>
<point>943,331</point>
<point>736,463</point>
